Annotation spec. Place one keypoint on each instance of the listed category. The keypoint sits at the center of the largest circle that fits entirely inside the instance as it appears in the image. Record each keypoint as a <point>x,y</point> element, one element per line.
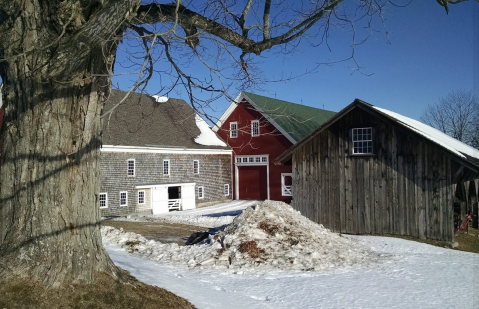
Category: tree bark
<point>49,181</point>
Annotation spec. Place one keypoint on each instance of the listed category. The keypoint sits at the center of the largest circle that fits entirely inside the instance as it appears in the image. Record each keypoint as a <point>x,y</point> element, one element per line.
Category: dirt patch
<point>268,228</point>
<point>164,232</point>
<point>251,248</point>
<point>104,293</point>
<point>468,240</point>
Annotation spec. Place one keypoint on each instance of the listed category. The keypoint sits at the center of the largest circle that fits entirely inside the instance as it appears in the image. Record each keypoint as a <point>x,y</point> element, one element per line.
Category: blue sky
<point>429,54</point>
<point>425,55</point>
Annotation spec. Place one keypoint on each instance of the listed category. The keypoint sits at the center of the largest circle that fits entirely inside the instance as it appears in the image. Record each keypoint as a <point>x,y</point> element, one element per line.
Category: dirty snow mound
<point>269,235</point>
<point>275,234</point>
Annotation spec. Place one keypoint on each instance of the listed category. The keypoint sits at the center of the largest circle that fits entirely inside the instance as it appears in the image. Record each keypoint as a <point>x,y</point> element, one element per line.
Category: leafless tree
<point>57,59</point>
<point>457,115</point>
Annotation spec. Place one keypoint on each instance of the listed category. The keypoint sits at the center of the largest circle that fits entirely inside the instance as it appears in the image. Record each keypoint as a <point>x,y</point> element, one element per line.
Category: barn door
<point>253,182</point>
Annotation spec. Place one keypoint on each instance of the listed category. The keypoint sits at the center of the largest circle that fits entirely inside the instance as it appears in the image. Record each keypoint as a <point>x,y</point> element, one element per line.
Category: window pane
<point>362,140</point>
<point>131,168</point>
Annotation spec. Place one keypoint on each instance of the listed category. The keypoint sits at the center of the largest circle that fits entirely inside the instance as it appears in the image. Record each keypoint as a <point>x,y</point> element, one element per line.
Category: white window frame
<point>226,190</point>
<point>285,191</point>
<point>233,129</point>
<point>144,197</point>
<point>167,169</point>
<point>201,192</point>
<point>126,198</point>
<point>106,199</point>
<point>255,128</point>
<point>252,160</point>
<point>128,169</point>
<point>196,170</point>
<point>361,144</point>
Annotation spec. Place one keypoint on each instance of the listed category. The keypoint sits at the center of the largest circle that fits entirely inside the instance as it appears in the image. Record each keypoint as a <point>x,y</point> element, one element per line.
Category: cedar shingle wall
<point>215,172</point>
<point>405,188</point>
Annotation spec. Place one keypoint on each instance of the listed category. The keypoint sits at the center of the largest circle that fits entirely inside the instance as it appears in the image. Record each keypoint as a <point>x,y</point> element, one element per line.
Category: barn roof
<point>458,148</point>
<point>295,121</point>
<point>145,121</point>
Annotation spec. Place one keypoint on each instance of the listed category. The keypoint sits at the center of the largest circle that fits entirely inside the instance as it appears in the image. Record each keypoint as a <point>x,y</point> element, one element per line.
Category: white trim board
<point>137,149</point>
<point>165,185</point>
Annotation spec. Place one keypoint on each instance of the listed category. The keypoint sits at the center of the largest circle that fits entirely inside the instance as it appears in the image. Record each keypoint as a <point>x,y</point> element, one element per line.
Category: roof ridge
<point>322,109</point>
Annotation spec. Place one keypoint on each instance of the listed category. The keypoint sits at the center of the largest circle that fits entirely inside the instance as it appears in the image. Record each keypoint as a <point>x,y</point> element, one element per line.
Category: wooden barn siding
<point>404,189</point>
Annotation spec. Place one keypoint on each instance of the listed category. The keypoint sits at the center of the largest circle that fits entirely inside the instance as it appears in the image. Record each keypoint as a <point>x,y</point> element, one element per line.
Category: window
<point>201,193</point>
<point>166,167</point>
<point>252,160</point>
<point>123,198</point>
<point>196,167</point>
<point>141,197</point>
<point>227,189</point>
<point>255,128</point>
<point>103,200</point>
<point>362,140</point>
<point>130,169</point>
<point>233,129</point>
<point>287,184</point>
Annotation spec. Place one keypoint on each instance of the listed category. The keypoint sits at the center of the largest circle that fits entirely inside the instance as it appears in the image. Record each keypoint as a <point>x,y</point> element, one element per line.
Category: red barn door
<point>253,183</point>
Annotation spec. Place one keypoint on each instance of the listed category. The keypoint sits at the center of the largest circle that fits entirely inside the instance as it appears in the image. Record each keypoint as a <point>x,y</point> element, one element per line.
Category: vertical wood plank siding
<point>405,188</point>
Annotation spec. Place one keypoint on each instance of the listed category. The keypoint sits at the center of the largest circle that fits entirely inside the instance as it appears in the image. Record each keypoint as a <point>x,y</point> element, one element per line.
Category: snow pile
<point>160,99</point>
<point>275,234</point>
<point>271,235</point>
<point>207,137</point>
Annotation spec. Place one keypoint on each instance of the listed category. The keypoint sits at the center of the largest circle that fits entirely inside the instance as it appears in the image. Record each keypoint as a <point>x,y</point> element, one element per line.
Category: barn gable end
<point>406,186</point>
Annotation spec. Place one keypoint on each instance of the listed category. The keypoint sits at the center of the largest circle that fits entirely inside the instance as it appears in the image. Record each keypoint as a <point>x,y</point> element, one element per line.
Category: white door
<point>159,200</point>
<point>188,197</point>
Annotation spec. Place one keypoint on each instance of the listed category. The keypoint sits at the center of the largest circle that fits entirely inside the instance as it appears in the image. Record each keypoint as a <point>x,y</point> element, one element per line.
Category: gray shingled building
<point>153,160</point>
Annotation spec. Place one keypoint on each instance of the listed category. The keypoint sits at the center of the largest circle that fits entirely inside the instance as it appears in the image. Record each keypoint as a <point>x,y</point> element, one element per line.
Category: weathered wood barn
<point>371,171</point>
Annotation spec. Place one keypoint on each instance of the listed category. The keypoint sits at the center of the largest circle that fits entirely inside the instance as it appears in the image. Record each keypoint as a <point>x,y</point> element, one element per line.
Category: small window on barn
<point>255,128</point>
<point>226,189</point>
<point>130,167</point>
<point>103,200</point>
<point>123,198</point>
<point>166,167</point>
<point>201,192</point>
<point>233,129</point>
<point>196,167</point>
<point>362,140</point>
<point>141,197</point>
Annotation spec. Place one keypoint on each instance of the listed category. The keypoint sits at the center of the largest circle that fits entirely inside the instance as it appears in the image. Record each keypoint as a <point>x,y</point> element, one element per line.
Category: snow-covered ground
<point>386,273</point>
<point>212,216</point>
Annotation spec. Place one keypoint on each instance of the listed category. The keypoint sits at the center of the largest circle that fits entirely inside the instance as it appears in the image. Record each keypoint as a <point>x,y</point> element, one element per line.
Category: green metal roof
<point>297,120</point>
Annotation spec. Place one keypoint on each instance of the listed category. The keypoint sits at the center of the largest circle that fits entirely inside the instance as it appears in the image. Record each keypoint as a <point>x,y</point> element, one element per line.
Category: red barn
<point>259,129</point>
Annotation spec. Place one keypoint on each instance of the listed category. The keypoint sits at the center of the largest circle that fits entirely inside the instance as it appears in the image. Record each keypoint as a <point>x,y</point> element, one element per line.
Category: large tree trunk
<point>49,180</point>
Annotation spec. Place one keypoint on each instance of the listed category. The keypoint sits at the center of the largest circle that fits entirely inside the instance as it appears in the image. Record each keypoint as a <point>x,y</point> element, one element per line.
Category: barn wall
<point>214,173</point>
<point>270,142</point>
<point>405,188</point>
